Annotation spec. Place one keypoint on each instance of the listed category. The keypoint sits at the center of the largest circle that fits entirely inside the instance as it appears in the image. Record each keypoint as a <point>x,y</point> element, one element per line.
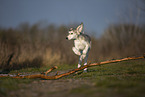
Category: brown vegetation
<point>35,46</point>
<point>122,40</point>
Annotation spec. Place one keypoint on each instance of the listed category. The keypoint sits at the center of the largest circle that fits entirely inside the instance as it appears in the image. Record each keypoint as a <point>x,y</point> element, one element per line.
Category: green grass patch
<point>11,84</point>
<point>115,80</point>
<point>123,79</point>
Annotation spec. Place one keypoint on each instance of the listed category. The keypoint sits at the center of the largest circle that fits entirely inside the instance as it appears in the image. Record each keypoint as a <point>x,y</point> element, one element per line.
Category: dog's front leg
<point>76,51</point>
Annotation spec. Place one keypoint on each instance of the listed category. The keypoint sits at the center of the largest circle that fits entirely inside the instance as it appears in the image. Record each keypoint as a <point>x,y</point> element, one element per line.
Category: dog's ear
<point>80,28</point>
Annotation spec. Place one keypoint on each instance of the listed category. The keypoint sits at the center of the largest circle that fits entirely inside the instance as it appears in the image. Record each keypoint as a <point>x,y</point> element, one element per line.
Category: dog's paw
<point>77,52</point>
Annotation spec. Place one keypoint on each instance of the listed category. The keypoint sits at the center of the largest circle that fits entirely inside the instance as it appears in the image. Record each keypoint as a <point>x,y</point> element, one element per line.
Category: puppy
<point>82,44</point>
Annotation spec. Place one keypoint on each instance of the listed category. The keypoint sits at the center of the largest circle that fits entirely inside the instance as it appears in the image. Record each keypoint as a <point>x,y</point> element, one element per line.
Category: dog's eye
<point>71,33</point>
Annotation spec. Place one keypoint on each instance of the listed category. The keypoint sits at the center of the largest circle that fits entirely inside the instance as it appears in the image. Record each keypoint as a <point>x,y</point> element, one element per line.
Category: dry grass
<point>36,46</point>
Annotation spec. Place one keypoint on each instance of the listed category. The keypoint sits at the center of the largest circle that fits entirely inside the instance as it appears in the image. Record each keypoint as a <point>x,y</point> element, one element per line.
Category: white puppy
<point>82,44</point>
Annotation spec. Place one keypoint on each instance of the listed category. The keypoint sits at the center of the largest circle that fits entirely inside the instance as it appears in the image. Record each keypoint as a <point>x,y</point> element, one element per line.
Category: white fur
<point>81,44</point>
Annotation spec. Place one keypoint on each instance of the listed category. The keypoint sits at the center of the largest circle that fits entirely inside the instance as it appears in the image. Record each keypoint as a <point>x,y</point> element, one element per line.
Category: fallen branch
<point>48,71</point>
<point>72,71</point>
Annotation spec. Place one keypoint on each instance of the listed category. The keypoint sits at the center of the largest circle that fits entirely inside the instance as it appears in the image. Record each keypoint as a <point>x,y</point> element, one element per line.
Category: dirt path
<point>49,88</point>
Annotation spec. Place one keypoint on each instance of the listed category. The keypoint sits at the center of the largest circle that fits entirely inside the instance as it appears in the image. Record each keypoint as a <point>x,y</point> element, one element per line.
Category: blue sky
<point>96,14</point>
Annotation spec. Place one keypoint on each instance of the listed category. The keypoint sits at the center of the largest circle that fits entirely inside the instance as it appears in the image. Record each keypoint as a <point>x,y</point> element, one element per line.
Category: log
<point>42,76</point>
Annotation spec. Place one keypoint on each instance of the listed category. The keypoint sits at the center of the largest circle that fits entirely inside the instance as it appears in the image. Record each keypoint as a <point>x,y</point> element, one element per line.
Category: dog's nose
<point>67,38</point>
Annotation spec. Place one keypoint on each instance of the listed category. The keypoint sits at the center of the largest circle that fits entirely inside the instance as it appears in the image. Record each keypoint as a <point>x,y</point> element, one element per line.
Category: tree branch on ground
<point>44,75</point>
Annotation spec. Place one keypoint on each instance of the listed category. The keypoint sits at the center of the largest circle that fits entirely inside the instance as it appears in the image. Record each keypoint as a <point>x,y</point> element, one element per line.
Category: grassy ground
<point>123,79</point>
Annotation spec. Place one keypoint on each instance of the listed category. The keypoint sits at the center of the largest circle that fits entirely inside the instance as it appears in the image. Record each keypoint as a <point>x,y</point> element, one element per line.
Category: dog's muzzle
<point>67,38</point>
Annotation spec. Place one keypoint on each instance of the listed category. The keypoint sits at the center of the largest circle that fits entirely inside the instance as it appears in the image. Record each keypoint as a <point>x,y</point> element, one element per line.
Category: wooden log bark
<point>72,71</point>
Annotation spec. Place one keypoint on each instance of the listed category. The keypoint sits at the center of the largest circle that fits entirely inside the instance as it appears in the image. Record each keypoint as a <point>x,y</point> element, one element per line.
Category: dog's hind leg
<point>85,59</point>
<point>85,62</point>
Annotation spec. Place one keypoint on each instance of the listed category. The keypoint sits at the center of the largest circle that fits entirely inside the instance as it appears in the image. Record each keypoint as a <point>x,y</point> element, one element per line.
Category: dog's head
<point>73,33</point>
